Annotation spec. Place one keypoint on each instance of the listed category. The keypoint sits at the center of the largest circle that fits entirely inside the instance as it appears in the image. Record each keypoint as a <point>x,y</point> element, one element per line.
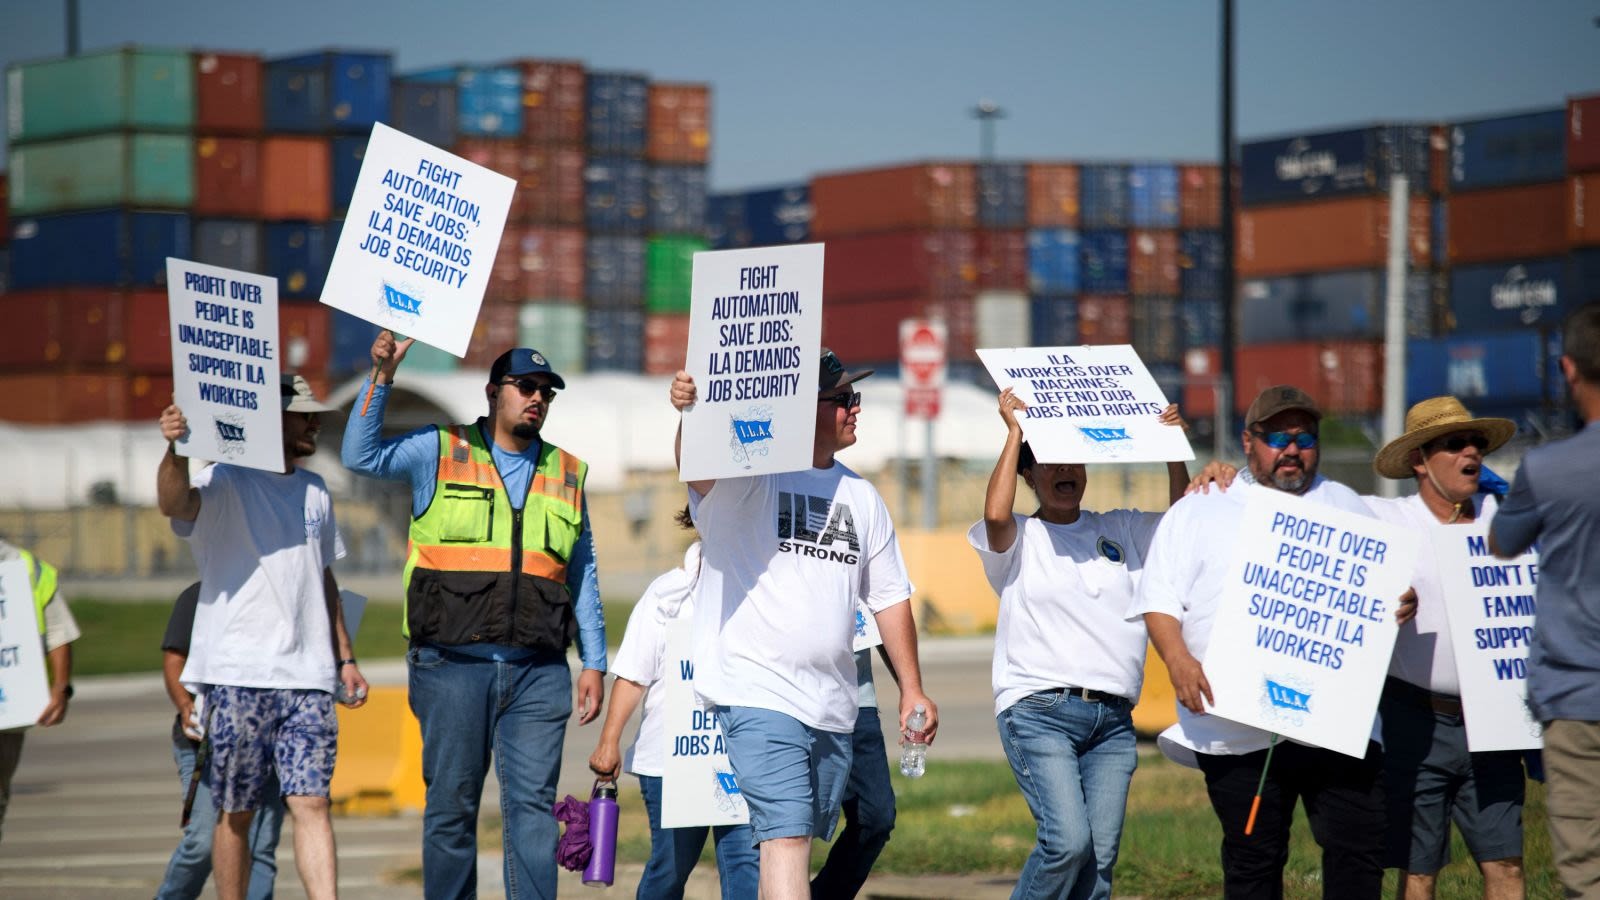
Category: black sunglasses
<point>1456,443</point>
<point>845,401</point>
<point>529,387</point>
<point>1278,440</point>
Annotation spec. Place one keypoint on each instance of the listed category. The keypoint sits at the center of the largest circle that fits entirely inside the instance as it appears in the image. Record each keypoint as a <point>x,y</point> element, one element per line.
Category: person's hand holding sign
<point>1009,404</point>
<point>683,395</point>
<point>387,353</point>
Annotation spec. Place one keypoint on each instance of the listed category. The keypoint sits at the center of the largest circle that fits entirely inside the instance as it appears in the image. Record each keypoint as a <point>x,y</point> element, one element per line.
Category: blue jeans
<point>1073,760</point>
<point>868,814</point>
<point>190,865</point>
<point>469,706</point>
<point>674,851</point>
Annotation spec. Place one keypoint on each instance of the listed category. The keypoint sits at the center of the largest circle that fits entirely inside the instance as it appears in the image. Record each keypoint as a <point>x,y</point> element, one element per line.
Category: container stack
<point>1583,197</point>
<point>677,150</point>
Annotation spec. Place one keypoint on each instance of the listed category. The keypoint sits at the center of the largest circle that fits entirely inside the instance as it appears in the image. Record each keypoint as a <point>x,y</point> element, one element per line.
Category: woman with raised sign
<point>1067,664</point>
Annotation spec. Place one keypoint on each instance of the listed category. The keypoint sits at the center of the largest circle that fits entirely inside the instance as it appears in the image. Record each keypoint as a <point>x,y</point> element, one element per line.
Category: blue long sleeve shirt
<point>414,457</point>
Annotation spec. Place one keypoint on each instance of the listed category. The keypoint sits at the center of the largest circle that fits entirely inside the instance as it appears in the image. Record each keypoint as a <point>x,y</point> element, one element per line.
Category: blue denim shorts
<point>792,775</point>
<point>256,731</point>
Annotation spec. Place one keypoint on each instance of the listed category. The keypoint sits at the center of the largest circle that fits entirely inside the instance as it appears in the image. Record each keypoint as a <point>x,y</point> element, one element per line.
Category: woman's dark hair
<point>1025,459</point>
<point>683,519</point>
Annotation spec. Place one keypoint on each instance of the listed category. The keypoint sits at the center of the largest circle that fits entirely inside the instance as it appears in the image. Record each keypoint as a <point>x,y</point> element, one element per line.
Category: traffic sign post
<point>923,359</point>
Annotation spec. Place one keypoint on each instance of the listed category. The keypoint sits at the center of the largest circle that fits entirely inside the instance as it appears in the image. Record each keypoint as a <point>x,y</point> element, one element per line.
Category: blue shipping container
<point>1507,368</point>
<point>1103,200</point>
<point>1509,150</point>
<point>1360,161</point>
<point>1002,195</point>
<point>616,196</point>
<point>677,199</point>
<point>1583,275</point>
<point>1153,195</point>
<point>1510,295</point>
<point>1053,321</point>
<point>229,243</point>
<point>614,339</point>
<point>1104,267</point>
<point>488,98</point>
<point>618,109</point>
<point>614,272</point>
<point>298,254</point>
<point>329,91</point>
<point>351,344</point>
<point>347,153</point>
<point>129,249</point>
<point>1202,323</point>
<point>425,111</point>
<point>726,225</point>
<point>1200,265</point>
<point>1053,264</point>
<point>1328,306</point>
<point>780,215</point>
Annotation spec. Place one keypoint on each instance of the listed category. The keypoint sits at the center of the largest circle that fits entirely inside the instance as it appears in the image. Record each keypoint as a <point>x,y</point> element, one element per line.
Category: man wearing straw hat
<point>1430,778</point>
<point>1184,579</point>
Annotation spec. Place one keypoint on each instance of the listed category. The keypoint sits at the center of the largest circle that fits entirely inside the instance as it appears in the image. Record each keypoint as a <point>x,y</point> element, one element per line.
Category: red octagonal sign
<point>922,352</point>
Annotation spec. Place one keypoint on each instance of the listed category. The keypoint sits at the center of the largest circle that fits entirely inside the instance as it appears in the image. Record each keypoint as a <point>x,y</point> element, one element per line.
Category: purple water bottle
<point>602,835</point>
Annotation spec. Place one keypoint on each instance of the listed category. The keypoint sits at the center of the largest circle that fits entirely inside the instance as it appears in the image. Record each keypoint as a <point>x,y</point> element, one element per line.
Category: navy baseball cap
<point>831,373</point>
<point>519,361</point>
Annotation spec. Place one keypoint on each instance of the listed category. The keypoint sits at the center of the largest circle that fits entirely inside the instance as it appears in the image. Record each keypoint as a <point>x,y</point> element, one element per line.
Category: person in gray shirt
<point>1555,500</point>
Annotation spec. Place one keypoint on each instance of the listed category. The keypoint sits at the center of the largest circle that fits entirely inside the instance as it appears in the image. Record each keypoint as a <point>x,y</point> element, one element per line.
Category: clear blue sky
<point>818,85</point>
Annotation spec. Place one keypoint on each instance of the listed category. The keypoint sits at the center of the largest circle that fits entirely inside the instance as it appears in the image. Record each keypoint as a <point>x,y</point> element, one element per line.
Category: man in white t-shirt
<point>1429,775</point>
<point>1178,596</point>
<point>786,560</point>
<point>269,643</point>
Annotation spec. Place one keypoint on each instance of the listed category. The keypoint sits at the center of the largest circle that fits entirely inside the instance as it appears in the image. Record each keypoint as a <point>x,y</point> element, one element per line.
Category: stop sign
<point>922,352</point>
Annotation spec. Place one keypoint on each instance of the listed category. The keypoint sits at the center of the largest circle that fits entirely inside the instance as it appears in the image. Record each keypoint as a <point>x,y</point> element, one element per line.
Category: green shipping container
<point>145,170</point>
<point>555,330</point>
<point>426,358</point>
<point>145,90</point>
<point>669,271</point>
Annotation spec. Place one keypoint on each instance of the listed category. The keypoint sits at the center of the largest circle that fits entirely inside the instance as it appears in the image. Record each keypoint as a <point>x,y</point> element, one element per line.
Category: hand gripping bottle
<point>602,835</point>
<point>914,753</point>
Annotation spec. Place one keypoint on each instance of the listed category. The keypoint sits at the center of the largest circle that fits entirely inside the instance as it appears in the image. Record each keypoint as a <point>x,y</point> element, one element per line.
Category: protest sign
<point>24,689</point>
<point>1087,404</point>
<point>1301,640</point>
<point>755,327</point>
<point>697,783</point>
<point>1490,605</point>
<point>419,240</point>
<point>225,364</point>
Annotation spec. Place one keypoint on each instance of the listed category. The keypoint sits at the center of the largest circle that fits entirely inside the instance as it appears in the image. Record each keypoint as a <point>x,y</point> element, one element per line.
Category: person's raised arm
<point>1001,495</point>
<point>899,632</point>
<point>606,760</point>
<point>1177,470</point>
<point>176,497</point>
<point>683,396</point>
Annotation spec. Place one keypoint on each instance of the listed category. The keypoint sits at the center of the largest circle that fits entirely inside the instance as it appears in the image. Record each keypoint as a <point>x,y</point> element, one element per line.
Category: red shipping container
<point>1508,223</point>
<point>1105,319</point>
<point>1202,367</point>
<point>305,338</point>
<point>1583,210</point>
<point>1330,234</point>
<point>868,331</point>
<point>31,338</point>
<point>679,129</point>
<point>94,397</point>
<point>1583,134</point>
<point>551,263</point>
<point>1200,196</point>
<point>921,196</point>
<point>553,102</point>
<point>1153,262</point>
<point>147,333</point>
<point>91,326</point>
<point>227,177</point>
<point>1003,260</point>
<point>935,264</point>
<point>960,318</point>
<point>1343,377</point>
<point>549,185</point>
<point>1439,159</point>
<point>494,333</point>
<point>666,342</point>
<point>227,93</point>
<point>1052,195</point>
<point>503,156</point>
<point>32,398</point>
<point>148,395</point>
<point>505,276</point>
<point>296,179</point>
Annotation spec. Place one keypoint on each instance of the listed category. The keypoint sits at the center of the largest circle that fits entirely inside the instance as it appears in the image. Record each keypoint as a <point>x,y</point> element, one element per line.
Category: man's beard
<point>525,431</point>
<point>303,446</point>
<point>1293,482</point>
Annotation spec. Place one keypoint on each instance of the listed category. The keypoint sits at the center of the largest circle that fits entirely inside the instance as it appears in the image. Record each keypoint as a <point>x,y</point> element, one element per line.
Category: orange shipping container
<point>305,338</point>
<point>1202,367</point>
<point>551,264</point>
<point>1105,319</point>
<point>924,195</point>
<point>296,179</point>
<point>505,276</point>
<point>148,333</point>
<point>227,177</point>
<point>553,102</point>
<point>1329,234</point>
<point>1003,260</point>
<point>227,93</point>
<point>503,156</point>
<point>1200,196</point>
<point>1344,377</point>
<point>1583,210</point>
<point>1508,223</point>
<point>1052,195</point>
<point>1439,159</point>
<point>1153,262</point>
<point>680,124</point>
<point>666,341</point>
<point>32,398</point>
<point>1583,134</point>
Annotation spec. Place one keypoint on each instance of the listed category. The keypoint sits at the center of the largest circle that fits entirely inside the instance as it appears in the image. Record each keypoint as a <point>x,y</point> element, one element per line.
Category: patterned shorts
<point>256,730</point>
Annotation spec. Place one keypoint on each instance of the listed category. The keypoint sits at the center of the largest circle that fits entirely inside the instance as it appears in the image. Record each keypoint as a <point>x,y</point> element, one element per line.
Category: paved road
<point>95,802</point>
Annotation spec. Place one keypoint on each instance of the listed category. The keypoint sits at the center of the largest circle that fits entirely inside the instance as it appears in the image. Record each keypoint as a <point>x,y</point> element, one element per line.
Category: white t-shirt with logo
<point>1064,597</point>
<point>642,660</point>
<point>261,542</point>
<point>786,559</point>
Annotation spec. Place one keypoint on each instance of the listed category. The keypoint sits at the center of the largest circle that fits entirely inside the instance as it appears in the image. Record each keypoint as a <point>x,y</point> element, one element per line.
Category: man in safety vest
<point>499,579</point>
<point>58,630</point>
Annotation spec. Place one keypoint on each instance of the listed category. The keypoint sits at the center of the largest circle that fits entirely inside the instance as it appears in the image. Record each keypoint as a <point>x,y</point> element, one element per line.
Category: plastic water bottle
<point>914,755</point>
<point>602,836</point>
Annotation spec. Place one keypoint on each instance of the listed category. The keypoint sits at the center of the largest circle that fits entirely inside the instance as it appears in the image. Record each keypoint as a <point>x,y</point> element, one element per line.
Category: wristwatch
<point>69,691</point>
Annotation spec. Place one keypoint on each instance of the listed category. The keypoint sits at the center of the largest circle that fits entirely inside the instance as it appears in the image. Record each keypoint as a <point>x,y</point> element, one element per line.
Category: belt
<point>1086,695</point>
<point>1443,704</point>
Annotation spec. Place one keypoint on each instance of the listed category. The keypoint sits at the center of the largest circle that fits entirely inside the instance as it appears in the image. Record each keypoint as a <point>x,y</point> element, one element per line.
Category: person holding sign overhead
<point>57,629</point>
<point>1555,500</point>
<point>787,558</point>
<point>1068,664</point>
<point>1184,579</point>
<point>499,580</point>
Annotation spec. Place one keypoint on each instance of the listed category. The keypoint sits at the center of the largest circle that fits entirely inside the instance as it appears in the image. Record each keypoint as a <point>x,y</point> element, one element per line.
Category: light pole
<point>986,112</point>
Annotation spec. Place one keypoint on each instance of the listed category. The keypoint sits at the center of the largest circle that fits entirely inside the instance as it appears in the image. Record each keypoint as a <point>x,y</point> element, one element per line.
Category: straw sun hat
<point>1434,418</point>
